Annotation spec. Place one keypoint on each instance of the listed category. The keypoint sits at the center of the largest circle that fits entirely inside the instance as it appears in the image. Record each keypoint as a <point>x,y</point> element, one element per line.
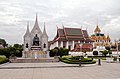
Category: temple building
<point>73,39</point>
<point>35,42</point>
<point>100,39</point>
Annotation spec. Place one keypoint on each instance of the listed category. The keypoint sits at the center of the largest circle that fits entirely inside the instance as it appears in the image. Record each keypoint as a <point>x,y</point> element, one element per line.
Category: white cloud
<point>14,15</point>
<point>113,28</point>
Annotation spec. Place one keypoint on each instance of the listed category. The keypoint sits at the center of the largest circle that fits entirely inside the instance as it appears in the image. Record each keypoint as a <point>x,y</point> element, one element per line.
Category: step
<point>26,60</point>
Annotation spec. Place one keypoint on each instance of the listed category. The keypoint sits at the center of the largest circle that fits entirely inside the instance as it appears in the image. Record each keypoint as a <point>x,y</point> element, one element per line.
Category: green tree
<point>3,42</point>
<point>58,53</point>
<point>6,52</point>
<point>55,51</point>
<point>63,51</point>
<point>105,52</point>
<point>109,52</point>
<point>1,52</point>
<point>17,46</point>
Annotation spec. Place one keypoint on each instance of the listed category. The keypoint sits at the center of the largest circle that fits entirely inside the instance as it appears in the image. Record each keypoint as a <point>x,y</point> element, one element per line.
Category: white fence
<point>89,53</point>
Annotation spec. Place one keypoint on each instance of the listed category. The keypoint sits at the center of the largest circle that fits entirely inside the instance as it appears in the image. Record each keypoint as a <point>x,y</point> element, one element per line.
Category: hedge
<point>75,60</point>
<point>3,59</point>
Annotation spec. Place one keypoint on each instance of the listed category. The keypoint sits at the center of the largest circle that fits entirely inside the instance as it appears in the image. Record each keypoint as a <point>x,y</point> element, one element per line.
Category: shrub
<point>3,59</point>
<point>77,62</point>
<point>114,58</point>
<point>59,52</point>
<point>105,52</point>
<point>95,52</point>
<point>63,52</point>
<point>52,54</point>
<point>110,52</point>
<point>55,51</point>
<point>11,50</point>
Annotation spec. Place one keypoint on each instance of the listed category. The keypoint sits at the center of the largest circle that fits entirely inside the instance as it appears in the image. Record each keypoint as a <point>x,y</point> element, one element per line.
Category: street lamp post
<point>80,61</point>
<point>99,62</point>
<point>117,50</point>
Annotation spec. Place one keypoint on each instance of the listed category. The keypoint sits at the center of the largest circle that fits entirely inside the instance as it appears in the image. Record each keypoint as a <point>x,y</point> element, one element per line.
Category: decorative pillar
<point>67,45</point>
<point>23,54</point>
<point>61,44</point>
<point>73,43</point>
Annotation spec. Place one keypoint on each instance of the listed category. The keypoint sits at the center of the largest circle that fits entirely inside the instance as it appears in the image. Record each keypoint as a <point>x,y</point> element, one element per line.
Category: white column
<point>61,44</point>
<point>51,47</point>
<point>56,43</point>
<point>73,43</point>
<point>23,54</point>
<point>81,47</point>
<point>67,44</point>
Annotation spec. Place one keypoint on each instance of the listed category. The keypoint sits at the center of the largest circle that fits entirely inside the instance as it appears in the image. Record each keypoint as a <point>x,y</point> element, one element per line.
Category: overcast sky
<point>14,15</point>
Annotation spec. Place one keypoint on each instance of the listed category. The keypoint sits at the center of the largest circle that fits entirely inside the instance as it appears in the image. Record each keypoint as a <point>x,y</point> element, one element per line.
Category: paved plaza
<point>59,70</point>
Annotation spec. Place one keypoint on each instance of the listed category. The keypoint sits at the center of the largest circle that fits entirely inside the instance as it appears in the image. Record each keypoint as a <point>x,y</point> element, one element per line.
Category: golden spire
<point>111,43</point>
<point>108,38</point>
<point>97,30</point>
<point>104,37</point>
<point>106,43</point>
<point>102,44</point>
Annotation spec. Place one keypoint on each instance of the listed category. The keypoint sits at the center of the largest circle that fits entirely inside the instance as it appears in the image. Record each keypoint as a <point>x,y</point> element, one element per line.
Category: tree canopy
<point>3,42</point>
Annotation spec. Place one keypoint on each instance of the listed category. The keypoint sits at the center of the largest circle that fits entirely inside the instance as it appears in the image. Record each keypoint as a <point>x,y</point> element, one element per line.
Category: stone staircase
<point>28,60</point>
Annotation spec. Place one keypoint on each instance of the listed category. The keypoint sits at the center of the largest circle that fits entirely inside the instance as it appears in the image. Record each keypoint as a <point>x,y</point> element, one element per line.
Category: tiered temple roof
<point>70,34</point>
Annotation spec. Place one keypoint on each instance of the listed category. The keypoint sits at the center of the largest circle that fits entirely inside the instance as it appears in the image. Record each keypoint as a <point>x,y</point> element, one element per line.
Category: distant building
<point>69,37</point>
<point>117,44</point>
<point>1,46</point>
<point>100,39</point>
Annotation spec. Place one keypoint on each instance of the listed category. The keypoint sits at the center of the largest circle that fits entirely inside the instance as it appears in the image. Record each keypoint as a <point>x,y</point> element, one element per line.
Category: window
<point>26,45</point>
<point>44,45</point>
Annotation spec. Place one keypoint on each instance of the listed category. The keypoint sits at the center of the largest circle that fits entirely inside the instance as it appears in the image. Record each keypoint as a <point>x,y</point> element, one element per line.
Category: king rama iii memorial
<point>35,42</point>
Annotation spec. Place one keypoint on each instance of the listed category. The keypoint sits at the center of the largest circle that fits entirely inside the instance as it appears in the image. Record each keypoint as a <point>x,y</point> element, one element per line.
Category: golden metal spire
<point>97,30</point>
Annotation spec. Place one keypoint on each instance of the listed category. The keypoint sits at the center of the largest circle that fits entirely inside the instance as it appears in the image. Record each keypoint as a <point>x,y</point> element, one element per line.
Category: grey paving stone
<point>60,71</point>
